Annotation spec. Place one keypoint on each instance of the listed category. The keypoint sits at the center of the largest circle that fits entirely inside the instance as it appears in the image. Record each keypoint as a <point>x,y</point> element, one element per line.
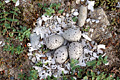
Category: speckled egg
<point>54,41</point>
<point>72,34</point>
<point>61,54</point>
<point>75,50</point>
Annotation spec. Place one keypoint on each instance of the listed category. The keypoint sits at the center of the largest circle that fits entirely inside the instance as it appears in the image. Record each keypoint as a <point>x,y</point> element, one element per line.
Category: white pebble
<point>91,30</point>
<point>0,42</point>
<point>33,59</point>
<point>91,5</point>
<point>29,54</point>
<point>93,20</point>
<point>77,1</point>
<point>67,15</point>
<point>72,10</point>
<point>39,69</point>
<point>95,55</point>
<point>59,20</point>
<point>101,46</point>
<point>97,21</point>
<point>87,20</point>
<point>86,37</point>
<point>92,58</point>
<point>39,21</point>
<point>75,13</point>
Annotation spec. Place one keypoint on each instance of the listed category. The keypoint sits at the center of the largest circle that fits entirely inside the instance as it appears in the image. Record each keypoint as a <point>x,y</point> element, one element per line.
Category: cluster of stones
<point>74,50</point>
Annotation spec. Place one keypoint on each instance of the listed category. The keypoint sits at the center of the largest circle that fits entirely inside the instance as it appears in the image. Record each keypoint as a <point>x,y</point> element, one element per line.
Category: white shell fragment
<point>72,34</point>
<point>54,41</point>
<point>75,50</point>
<point>91,5</point>
<point>77,1</point>
<point>86,37</point>
<point>61,54</point>
<point>82,15</point>
<point>75,13</point>
<point>101,46</point>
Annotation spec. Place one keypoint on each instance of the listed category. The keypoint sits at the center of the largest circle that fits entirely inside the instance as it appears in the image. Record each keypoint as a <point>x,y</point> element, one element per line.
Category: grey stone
<point>33,59</point>
<point>34,39</point>
<point>82,15</point>
<point>99,14</point>
<point>72,34</point>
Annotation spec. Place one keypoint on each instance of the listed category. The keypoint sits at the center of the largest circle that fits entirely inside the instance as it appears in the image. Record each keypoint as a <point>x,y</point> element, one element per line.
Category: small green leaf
<point>98,78</point>
<point>98,63</point>
<point>75,67</point>
<point>4,31</point>
<point>61,11</point>
<point>85,78</point>
<point>93,74</point>
<point>11,34</point>
<point>91,63</point>
<point>7,25</point>
<point>14,1</point>
<point>48,78</point>
<point>1,13</point>
<point>74,19</point>
<point>3,19</point>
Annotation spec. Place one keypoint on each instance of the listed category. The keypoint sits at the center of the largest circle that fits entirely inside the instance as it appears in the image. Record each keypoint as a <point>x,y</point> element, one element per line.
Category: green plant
<point>11,48</point>
<point>89,72</point>
<point>8,18</point>
<point>23,32</point>
<point>39,64</point>
<point>21,76</point>
<point>74,19</point>
<point>52,8</point>
<point>49,11</point>
<point>86,29</point>
<point>11,28</point>
<point>32,75</point>
<point>107,4</point>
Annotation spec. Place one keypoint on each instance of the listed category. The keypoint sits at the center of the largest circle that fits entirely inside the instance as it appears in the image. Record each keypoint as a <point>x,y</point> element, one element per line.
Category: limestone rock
<point>34,39</point>
<point>82,15</point>
<point>72,34</point>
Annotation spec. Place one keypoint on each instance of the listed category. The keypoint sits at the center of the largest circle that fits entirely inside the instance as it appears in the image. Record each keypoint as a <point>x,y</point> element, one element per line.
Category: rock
<point>54,41</point>
<point>59,20</point>
<point>39,21</point>
<point>77,1</point>
<point>34,39</point>
<point>33,59</point>
<point>75,13</point>
<point>86,37</point>
<point>91,5</point>
<point>101,46</point>
<point>72,34</point>
<point>2,41</point>
<point>82,15</point>
<point>75,50</point>
<point>61,54</point>
<point>99,14</point>
<point>2,67</point>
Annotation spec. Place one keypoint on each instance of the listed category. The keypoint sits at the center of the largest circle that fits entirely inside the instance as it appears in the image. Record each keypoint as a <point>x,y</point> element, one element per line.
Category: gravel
<point>57,28</point>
